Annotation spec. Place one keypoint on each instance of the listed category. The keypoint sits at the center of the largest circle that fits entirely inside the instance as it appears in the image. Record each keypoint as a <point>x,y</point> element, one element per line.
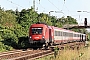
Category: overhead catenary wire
<point>55,6</point>
<point>15,3</point>
<point>65,7</point>
<point>40,5</point>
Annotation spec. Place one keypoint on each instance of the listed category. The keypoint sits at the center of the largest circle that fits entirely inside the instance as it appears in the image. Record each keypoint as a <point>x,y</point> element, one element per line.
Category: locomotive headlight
<point>30,37</point>
<point>43,37</point>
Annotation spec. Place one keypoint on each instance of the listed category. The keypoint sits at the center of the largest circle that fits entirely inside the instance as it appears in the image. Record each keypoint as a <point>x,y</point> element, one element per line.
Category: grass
<point>68,54</point>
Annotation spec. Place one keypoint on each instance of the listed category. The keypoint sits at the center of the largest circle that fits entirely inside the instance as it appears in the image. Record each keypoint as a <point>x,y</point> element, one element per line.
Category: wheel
<point>45,46</point>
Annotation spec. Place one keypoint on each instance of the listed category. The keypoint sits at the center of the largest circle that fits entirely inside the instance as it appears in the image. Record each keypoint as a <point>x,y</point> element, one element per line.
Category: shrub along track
<point>72,45</point>
<point>24,55</point>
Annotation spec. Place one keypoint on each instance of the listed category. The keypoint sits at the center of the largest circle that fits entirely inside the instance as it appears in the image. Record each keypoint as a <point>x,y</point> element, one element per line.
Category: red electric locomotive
<point>42,34</point>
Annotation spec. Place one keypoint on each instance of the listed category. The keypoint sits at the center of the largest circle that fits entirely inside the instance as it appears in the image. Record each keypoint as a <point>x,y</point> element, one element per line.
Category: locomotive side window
<point>37,30</point>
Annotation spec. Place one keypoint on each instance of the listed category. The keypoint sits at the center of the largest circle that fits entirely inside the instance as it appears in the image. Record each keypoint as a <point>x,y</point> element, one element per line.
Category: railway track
<point>24,55</point>
<point>32,54</point>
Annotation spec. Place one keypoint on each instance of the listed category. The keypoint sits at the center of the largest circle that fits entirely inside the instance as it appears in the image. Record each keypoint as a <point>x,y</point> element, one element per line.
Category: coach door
<point>50,35</point>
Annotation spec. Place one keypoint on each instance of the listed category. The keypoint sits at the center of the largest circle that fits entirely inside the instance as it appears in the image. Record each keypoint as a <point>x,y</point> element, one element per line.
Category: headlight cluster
<point>30,37</point>
<point>43,37</point>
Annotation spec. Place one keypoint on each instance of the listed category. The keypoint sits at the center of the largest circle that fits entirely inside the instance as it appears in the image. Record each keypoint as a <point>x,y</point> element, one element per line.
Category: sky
<point>63,7</point>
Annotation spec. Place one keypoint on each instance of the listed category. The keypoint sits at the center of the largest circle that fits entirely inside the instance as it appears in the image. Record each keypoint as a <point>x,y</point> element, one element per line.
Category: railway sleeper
<point>32,56</point>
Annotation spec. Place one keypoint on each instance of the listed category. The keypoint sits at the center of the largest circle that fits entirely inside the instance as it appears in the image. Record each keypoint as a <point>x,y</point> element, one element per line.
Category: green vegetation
<point>68,54</point>
<point>82,54</point>
<point>14,26</point>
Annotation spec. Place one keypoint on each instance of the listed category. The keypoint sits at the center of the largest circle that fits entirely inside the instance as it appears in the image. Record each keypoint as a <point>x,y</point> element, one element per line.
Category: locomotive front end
<point>36,34</point>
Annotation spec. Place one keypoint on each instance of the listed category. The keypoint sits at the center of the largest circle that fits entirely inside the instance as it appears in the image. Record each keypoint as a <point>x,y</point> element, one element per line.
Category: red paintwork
<point>48,31</point>
<point>36,37</point>
<point>44,32</point>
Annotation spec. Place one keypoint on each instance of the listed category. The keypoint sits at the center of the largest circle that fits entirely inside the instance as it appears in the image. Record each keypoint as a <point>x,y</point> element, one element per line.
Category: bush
<point>23,42</point>
<point>5,47</point>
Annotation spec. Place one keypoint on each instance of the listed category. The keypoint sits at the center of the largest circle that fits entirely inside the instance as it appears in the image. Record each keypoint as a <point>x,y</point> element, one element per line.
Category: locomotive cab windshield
<point>37,31</point>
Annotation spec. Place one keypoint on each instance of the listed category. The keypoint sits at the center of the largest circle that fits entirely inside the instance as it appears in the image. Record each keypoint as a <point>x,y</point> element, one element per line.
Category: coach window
<point>68,34</point>
<point>58,33</point>
<point>71,34</point>
<point>74,35</point>
<point>77,35</point>
<point>61,33</point>
<point>65,33</point>
<point>55,33</point>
